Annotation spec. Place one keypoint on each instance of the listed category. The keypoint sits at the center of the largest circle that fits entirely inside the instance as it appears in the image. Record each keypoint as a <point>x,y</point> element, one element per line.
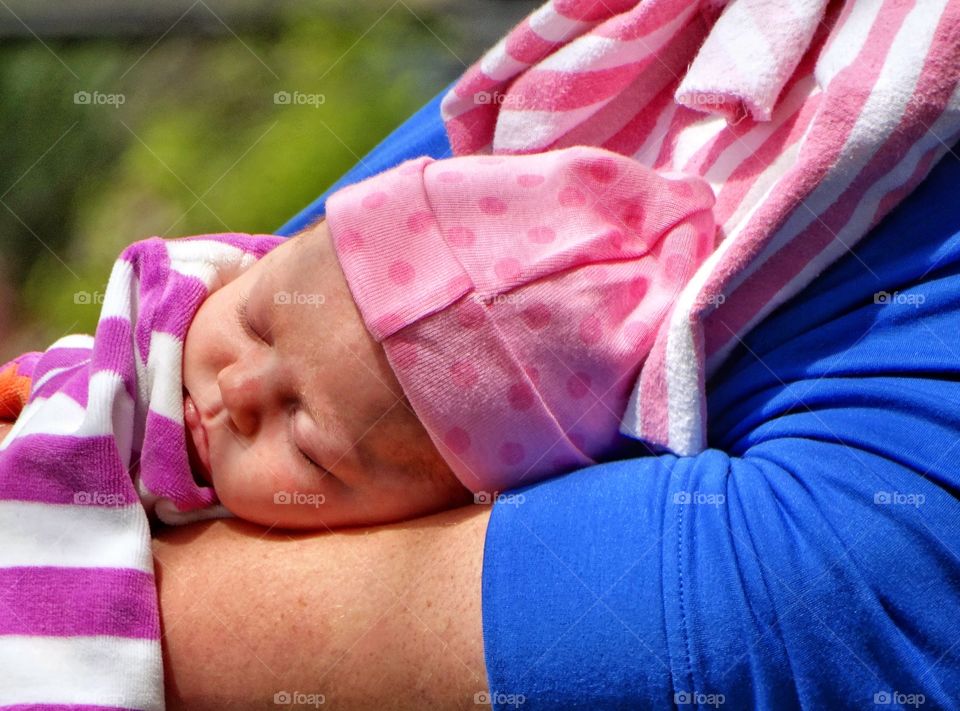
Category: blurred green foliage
<point>198,144</point>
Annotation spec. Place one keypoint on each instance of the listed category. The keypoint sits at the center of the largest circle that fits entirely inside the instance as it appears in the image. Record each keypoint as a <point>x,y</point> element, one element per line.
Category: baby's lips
<point>197,437</point>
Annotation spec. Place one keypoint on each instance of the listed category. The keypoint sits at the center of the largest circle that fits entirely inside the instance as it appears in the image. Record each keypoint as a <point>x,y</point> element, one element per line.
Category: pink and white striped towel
<point>99,444</point>
<point>810,120</point>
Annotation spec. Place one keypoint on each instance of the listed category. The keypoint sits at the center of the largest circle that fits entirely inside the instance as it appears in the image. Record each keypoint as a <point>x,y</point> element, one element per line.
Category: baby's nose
<point>242,390</point>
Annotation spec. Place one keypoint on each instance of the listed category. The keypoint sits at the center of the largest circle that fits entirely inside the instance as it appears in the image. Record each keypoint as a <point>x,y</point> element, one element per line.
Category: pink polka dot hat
<point>516,297</point>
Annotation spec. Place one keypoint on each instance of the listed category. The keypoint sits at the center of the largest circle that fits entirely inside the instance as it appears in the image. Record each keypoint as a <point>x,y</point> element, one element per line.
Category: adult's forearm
<point>386,618</point>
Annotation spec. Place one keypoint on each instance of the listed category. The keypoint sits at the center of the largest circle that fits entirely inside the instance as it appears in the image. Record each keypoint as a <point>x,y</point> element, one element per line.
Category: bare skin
<point>381,618</point>
<point>292,407</point>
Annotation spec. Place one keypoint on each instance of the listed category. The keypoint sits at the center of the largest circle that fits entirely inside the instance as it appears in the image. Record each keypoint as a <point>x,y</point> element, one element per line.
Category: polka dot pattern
<point>616,239</point>
<point>460,236</point>
<point>591,330</point>
<point>490,205</point>
<point>682,190</point>
<point>457,440</point>
<point>464,374</point>
<point>560,247</point>
<point>602,170</point>
<point>470,315</point>
<point>631,215</point>
<point>520,397</point>
<point>618,305</point>
<point>420,221</point>
<point>529,180</point>
<point>638,288</point>
<point>541,235</point>
<point>401,272</point>
<point>571,196</point>
<point>536,316</point>
<point>349,242</point>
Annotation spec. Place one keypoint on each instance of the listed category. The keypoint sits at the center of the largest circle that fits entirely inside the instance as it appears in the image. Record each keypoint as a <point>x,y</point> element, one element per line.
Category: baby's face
<point>293,413</point>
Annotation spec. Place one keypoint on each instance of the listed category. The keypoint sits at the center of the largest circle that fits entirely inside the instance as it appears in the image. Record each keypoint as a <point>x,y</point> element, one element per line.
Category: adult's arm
<point>386,618</point>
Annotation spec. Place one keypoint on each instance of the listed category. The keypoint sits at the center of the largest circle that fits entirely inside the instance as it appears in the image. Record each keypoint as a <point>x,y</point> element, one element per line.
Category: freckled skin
<point>392,617</point>
<point>306,425</point>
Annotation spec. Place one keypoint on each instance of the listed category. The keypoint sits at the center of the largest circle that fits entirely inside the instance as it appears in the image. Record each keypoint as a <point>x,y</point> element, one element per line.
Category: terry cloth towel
<point>99,443</point>
<point>810,121</point>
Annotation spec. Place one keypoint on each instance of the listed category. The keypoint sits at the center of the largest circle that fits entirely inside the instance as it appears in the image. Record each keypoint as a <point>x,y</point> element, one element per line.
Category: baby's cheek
<point>268,480</point>
<point>291,482</point>
<point>244,480</point>
<point>277,491</point>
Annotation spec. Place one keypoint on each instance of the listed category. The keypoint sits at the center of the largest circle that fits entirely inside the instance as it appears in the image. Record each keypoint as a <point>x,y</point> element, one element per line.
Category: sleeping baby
<point>453,329</point>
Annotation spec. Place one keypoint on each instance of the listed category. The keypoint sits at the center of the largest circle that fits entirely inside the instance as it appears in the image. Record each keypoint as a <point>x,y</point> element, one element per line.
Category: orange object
<point>14,392</point>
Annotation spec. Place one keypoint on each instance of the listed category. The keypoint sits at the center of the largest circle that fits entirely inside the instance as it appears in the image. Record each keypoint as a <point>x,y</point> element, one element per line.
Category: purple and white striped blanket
<point>98,448</point>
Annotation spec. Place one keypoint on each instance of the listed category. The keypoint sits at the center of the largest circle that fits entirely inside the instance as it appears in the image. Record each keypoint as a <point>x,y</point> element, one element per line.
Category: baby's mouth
<point>198,447</point>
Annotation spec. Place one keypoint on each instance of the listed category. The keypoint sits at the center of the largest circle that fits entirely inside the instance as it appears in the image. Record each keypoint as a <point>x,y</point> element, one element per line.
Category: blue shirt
<point>809,559</point>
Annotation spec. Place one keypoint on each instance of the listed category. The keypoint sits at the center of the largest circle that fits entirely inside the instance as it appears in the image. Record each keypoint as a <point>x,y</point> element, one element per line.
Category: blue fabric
<point>810,559</point>
<point>420,135</point>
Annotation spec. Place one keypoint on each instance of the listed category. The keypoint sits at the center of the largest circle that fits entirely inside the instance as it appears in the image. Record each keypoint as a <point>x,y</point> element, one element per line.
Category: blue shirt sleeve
<point>810,559</point>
